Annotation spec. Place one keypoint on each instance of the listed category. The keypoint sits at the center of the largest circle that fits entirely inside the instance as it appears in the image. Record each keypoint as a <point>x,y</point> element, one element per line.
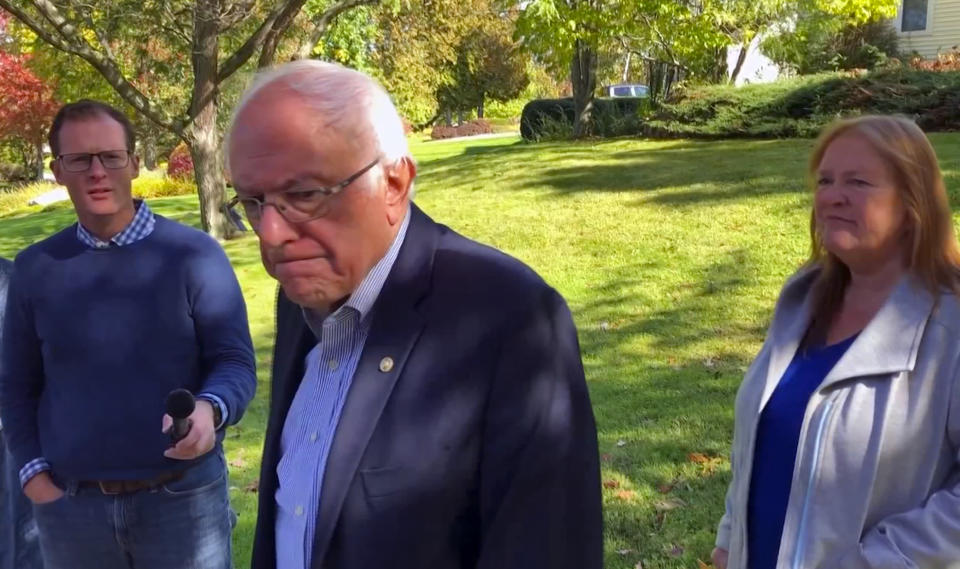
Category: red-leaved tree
<point>26,108</point>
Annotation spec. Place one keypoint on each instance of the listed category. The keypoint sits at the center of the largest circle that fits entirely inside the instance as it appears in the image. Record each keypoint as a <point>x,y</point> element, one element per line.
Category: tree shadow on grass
<point>658,404</point>
<point>666,172</point>
<point>692,172</point>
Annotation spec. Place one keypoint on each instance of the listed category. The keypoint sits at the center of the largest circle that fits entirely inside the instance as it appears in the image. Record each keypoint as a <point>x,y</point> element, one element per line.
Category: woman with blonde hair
<point>847,431</point>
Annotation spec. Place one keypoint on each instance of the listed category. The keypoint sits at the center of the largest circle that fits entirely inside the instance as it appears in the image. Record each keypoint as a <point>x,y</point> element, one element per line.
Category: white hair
<point>346,100</point>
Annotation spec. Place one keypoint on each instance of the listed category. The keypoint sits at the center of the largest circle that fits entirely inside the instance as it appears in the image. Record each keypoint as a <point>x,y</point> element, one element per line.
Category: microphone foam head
<point>180,403</point>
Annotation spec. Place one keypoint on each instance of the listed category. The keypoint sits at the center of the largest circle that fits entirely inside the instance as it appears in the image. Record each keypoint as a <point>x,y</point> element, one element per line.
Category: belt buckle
<point>104,488</point>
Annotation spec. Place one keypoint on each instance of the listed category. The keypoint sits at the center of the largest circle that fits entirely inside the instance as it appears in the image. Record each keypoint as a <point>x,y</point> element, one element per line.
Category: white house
<point>757,68</point>
<point>928,27</point>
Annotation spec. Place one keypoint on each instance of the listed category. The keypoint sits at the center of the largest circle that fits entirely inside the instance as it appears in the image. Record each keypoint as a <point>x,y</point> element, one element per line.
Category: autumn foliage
<point>27,105</point>
<point>945,61</point>
<point>180,164</point>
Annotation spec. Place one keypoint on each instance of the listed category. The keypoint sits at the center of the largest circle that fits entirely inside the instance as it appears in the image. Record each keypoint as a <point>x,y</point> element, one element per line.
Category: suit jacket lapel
<point>393,333</point>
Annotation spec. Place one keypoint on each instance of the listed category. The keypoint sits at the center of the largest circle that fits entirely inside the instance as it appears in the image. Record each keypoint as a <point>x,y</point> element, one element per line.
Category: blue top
<point>95,339</point>
<point>778,435</point>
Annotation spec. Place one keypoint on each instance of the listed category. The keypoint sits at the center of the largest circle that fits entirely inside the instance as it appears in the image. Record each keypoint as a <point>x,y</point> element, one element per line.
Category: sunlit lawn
<point>670,255</point>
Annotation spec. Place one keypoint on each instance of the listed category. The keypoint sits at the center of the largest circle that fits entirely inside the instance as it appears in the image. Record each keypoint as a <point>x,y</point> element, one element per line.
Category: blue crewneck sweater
<point>95,339</point>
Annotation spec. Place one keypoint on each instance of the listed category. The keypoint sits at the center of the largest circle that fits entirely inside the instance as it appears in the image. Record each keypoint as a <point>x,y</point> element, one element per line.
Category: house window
<point>914,16</point>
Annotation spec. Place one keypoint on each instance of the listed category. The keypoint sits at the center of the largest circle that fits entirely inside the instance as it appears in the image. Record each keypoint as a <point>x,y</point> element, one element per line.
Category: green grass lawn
<point>670,255</point>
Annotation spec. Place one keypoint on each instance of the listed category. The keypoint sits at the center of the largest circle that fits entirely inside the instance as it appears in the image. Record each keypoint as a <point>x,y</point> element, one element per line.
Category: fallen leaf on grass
<point>666,488</point>
<point>709,463</point>
<point>626,495</point>
<point>621,443</point>
<point>611,484</point>
<point>253,486</point>
<point>606,457</point>
<point>624,551</point>
<point>238,463</point>
<point>702,565</point>
<point>677,551</point>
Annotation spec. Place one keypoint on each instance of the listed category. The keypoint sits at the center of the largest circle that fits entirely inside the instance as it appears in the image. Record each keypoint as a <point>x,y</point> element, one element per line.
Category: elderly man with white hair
<point>428,405</point>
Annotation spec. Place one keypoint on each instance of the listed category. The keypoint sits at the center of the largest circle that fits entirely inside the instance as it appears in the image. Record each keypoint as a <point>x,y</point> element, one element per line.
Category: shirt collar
<point>363,298</point>
<point>139,228</point>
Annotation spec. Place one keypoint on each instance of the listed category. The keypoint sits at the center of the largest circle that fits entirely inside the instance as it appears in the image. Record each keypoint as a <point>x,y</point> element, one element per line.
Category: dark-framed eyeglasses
<point>81,161</point>
<point>298,204</point>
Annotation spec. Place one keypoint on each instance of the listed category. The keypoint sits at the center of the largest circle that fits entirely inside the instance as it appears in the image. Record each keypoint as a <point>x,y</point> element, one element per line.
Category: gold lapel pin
<point>386,364</point>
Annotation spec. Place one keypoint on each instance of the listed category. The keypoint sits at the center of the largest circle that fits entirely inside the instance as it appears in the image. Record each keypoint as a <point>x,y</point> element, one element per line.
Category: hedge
<point>801,107</point>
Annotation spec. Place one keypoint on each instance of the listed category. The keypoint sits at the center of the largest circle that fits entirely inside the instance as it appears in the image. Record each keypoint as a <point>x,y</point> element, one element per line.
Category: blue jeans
<point>19,548</point>
<point>184,524</point>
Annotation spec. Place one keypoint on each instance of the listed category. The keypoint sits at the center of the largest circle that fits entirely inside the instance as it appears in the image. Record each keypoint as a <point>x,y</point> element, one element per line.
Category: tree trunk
<point>480,109</point>
<point>201,136</point>
<point>38,148</point>
<point>583,77</point>
<point>741,58</point>
<point>459,117</point>
<point>448,117</point>
<point>208,174</point>
<point>719,71</point>
<point>626,68</point>
<point>150,153</point>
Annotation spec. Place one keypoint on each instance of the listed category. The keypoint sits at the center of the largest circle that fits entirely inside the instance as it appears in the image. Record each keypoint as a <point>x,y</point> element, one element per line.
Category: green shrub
<point>554,129</point>
<point>615,116</point>
<point>13,172</point>
<point>815,45</point>
<point>469,128</point>
<point>801,107</point>
<point>540,113</point>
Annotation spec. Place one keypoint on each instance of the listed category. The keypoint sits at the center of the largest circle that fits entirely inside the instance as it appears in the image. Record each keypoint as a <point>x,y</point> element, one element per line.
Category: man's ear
<point>399,178</point>
<point>135,162</point>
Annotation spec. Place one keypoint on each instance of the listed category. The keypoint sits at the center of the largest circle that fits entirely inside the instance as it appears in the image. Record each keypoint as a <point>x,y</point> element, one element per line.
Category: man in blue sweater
<point>104,319</point>
<point>18,530</point>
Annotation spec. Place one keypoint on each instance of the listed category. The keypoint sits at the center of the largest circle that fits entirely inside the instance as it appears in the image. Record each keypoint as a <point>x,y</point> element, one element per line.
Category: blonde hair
<point>934,255</point>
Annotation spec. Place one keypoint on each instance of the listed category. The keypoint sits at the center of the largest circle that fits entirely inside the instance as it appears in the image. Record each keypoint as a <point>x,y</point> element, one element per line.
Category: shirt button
<point>313,437</point>
<point>332,364</point>
<point>299,510</point>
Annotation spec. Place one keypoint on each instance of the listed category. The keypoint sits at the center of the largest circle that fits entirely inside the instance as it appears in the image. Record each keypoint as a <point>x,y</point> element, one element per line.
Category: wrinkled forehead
<point>278,138</point>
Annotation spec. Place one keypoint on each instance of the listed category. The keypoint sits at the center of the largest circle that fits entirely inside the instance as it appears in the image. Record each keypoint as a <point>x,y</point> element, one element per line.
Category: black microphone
<point>180,404</point>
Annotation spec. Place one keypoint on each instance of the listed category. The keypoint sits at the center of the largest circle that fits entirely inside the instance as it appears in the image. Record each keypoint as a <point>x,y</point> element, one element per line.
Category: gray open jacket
<point>876,482</point>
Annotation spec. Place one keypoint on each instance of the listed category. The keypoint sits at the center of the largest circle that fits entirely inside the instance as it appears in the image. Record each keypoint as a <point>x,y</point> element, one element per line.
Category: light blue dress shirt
<point>315,412</point>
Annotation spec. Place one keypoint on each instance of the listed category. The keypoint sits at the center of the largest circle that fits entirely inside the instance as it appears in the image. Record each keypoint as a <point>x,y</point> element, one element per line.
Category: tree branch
<point>255,41</point>
<point>69,40</point>
<point>269,49</point>
<point>323,22</point>
<point>37,27</point>
<point>234,13</point>
<point>661,40</point>
<point>173,18</point>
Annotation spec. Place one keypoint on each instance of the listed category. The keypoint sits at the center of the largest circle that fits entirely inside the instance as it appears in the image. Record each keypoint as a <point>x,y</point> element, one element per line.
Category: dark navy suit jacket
<point>478,448</point>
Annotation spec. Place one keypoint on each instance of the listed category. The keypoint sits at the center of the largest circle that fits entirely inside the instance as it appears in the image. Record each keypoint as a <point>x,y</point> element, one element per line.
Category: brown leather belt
<point>115,487</point>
